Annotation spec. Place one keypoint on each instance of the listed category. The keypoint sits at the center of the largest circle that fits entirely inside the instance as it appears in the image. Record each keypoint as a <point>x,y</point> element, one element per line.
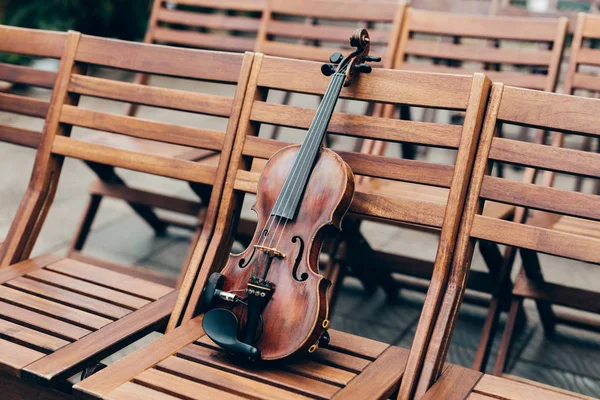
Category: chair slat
<point>541,198</point>
<point>452,92</point>
<point>245,5</point>
<point>130,390</point>
<point>363,126</point>
<point>27,75</point>
<point>136,127</point>
<point>203,40</point>
<point>30,337</point>
<point>482,27</point>
<point>436,49</point>
<point>548,110</point>
<point>14,357</point>
<point>298,51</point>
<point>216,21</point>
<point>355,11</point>
<point>537,239</point>
<point>32,42</point>
<point>161,60</point>
<point>591,28</point>
<point>20,136</point>
<point>589,82</point>
<point>156,165</point>
<point>328,33</point>
<point>151,96</point>
<point>588,56</point>
<point>546,157</point>
<point>23,105</point>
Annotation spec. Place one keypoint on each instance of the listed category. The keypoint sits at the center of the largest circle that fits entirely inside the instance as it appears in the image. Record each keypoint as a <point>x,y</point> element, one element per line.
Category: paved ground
<point>570,360</point>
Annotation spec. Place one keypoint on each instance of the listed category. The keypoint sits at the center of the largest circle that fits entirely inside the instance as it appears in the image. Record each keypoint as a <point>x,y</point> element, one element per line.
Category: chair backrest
<point>463,93</point>
<point>584,59</point>
<point>196,66</point>
<point>227,25</point>
<point>35,44</point>
<point>560,114</point>
<point>314,29</point>
<point>478,40</point>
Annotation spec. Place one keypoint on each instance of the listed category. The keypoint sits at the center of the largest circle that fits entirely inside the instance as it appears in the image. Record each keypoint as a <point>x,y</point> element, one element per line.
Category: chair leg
<point>533,272</point>
<point>507,335</point>
<point>85,225</point>
<point>409,150</point>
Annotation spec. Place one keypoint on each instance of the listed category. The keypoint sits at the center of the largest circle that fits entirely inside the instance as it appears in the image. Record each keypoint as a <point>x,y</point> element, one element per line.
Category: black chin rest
<point>221,326</point>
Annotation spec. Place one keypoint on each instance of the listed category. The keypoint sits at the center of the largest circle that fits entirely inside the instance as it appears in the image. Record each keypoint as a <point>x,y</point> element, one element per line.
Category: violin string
<point>281,204</point>
<point>323,123</point>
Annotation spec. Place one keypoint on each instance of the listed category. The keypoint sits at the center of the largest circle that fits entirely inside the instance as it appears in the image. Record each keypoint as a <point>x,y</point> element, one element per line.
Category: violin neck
<point>291,194</point>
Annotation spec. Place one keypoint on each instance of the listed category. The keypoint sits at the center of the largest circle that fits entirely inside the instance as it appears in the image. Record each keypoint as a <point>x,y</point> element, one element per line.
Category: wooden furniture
<point>184,363</point>
<point>470,50</point>
<point>59,315</point>
<point>559,222</point>
<point>582,74</point>
<point>223,25</point>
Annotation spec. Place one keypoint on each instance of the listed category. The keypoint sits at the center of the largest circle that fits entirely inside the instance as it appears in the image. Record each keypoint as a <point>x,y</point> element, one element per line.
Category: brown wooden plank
<point>591,28</point>
<point>173,61</point>
<point>27,75</point>
<point>204,20</point>
<point>508,28</point>
<point>203,40</point>
<point>132,391</point>
<point>417,89</point>
<point>375,10</point>
<point>67,297</point>
<point>339,360</point>
<point>380,379</point>
<point>89,289</point>
<point>274,376</point>
<point>32,42</point>
<point>454,384</point>
<point>363,126</point>
<point>539,239</point>
<point>29,337</point>
<point>583,81</point>
<point>26,266</point>
<point>450,51</point>
<point>352,344</point>
<point>41,322</point>
<point>328,33</point>
<point>541,198</point>
<point>13,357</point>
<point>237,5</point>
<point>507,389</point>
<point>69,359</point>
<point>588,56</point>
<point>151,95</point>
<point>19,136</point>
<point>550,158</point>
<point>224,380</point>
<point>144,129</point>
<point>53,309</point>
<point>23,105</point>
<point>110,279</point>
<point>181,387</point>
<point>152,164</point>
<point>299,51</point>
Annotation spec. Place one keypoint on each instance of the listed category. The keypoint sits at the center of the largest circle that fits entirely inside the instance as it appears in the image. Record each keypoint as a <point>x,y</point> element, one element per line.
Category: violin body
<point>293,319</point>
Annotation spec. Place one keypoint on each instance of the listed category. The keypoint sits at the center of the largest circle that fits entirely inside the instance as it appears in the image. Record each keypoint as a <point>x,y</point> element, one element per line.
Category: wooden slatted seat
<point>60,315</point>
<point>544,222</point>
<point>184,363</point>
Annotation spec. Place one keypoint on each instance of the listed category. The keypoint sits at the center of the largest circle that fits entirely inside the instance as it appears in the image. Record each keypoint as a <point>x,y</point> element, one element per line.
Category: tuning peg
<point>327,69</point>
<point>364,68</point>
<point>336,58</point>
<point>372,59</point>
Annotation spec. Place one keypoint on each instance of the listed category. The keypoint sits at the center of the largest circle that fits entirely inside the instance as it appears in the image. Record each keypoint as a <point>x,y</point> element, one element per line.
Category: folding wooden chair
<point>561,222</point>
<point>185,363</point>
<point>223,25</point>
<point>59,315</point>
<point>416,51</point>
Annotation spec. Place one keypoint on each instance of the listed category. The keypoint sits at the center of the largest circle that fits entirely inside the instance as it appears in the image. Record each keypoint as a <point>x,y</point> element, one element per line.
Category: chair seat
<point>56,313</point>
<point>462,383</point>
<point>167,150</point>
<point>349,367</point>
<point>578,226</point>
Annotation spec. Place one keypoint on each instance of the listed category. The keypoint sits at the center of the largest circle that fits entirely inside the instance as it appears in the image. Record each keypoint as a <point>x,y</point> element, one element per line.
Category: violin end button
<point>313,348</point>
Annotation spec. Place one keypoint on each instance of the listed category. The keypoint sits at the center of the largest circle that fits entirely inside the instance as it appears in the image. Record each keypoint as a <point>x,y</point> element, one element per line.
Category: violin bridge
<point>270,251</point>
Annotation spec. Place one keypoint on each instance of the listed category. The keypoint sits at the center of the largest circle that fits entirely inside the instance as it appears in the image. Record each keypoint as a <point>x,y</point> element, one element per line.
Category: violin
<point>270,301</point>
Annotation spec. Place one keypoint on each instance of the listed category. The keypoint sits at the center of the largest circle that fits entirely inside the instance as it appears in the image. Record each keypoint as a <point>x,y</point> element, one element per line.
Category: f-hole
<point>304,275</point>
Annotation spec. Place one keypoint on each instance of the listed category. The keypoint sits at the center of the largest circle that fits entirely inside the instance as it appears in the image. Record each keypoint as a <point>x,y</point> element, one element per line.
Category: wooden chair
<point>185,363</point>
<point>419,26</point>
<point>581,77</point>
<point>229,25</point>
<point>59,315</point>
<point>562,222</point>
